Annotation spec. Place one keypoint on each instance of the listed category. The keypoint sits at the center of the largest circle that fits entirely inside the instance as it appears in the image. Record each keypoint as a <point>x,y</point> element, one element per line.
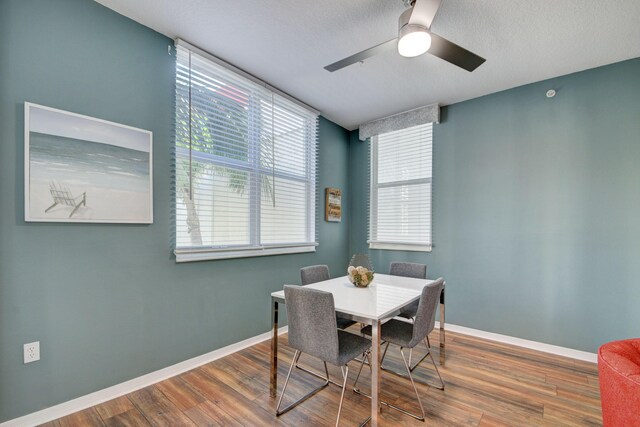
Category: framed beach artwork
<point>333,205</point>
<point>83,169</point>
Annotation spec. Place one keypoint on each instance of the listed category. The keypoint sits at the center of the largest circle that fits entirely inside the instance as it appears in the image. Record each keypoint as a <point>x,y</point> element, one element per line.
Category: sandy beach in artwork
<point>102,204</point>
<point>79,180</point>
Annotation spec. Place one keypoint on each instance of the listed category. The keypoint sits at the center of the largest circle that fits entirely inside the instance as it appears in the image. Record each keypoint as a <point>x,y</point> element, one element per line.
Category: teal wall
<point>536,209</point>
<point>536,216</point>
<point>107,302</point>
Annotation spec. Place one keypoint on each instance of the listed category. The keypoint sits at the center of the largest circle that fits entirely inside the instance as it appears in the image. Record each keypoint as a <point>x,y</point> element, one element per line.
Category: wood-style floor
<point>487,384</point>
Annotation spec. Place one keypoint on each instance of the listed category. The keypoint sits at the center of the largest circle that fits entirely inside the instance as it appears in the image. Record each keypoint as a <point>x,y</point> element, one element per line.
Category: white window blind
<point>245,165</point>
<point>400,210</point>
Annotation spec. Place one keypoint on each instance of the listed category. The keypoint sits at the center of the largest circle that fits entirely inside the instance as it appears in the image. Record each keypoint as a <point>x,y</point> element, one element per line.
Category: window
<point>245,165</point>
<point>401,189</point>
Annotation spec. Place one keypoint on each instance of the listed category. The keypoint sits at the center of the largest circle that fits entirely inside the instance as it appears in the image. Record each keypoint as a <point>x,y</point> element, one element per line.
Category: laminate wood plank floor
<point>487,384</point>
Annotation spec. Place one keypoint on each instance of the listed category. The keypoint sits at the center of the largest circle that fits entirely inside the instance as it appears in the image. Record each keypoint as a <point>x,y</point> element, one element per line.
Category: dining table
<point>383,299</point>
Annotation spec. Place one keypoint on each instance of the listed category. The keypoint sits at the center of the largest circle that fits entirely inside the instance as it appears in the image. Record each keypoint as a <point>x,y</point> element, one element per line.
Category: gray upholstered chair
<point>314,273</point>
<point>408,269</point>
<point>409,335</point>
<point>319,273</point>
<point>313,330</point>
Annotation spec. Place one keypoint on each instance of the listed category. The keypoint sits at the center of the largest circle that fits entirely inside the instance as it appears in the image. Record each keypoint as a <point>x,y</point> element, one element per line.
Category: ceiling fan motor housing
<point>403,20</point>
<point>413,38</point>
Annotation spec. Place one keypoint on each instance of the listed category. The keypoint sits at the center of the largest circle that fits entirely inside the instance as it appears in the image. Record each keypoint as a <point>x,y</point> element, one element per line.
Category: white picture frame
<point>85,170</point>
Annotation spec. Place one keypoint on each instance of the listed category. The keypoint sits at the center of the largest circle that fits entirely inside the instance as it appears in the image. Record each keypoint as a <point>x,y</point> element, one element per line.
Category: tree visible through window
<point>245,162</point>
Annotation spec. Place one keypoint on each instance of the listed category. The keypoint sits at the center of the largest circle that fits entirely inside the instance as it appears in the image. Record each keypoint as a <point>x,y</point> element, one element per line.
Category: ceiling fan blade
<point>361,56</point>
<point>451,52</point>
<point>423,12</point>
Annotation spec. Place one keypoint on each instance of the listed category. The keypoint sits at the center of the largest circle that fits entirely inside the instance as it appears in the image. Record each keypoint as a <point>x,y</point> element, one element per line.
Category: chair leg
<point>359,372</point>
<point>355,383</point>
<point>413,320</point>
<point>315,374</point>
<point>423,357</point>
<point>418,362</point>
<point>303,398</point>
<point>412,368</point>
<point>345,374</point>
<point>296,356</point>
<point>397,408</point>
<point>384,353</point>
<point>441,387</point>
<point>414,388</point>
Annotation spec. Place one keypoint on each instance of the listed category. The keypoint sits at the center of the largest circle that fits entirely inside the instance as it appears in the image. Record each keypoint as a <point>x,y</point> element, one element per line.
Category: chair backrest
<point>313,274</point>
<point>312,322</point>
<point>408,269</point>
<point>425,319</point>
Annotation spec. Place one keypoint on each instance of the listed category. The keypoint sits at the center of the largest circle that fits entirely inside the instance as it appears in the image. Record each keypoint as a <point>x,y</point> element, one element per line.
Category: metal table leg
<point>442,332</point>
<point>274,349</point>
<point>375,371</point>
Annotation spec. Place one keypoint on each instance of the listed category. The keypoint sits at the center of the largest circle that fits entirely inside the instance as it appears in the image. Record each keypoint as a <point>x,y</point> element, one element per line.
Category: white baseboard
<point>92,399</point>
<point>533,345</point>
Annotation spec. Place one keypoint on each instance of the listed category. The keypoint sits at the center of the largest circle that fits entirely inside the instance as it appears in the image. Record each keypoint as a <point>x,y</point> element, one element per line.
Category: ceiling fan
<point>415,38</point>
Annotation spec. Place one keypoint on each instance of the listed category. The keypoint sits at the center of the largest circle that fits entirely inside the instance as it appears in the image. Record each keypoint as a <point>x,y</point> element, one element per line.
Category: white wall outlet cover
<point>31,352</point>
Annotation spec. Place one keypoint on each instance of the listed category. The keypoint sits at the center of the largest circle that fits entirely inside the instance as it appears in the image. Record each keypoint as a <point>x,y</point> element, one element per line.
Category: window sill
<point>191,255</point>
<point>400,247</point>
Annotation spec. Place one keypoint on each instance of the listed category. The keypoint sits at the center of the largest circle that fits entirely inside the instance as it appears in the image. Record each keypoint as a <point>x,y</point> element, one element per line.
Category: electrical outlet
<point>31,352</point>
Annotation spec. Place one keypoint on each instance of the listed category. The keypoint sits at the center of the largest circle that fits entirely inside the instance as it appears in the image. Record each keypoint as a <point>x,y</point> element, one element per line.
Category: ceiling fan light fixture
<point>413,40</point>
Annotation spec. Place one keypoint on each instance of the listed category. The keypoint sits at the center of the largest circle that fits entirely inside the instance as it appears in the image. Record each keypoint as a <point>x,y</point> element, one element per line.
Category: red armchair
<point>619,373</point>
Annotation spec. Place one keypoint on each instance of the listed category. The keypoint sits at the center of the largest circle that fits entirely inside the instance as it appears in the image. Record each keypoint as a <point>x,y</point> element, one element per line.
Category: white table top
<point>386,295</point>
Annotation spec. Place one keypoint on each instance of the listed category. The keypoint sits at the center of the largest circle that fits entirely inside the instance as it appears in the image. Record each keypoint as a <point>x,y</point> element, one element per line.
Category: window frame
<point>373,203</point>
<point>255,169</point>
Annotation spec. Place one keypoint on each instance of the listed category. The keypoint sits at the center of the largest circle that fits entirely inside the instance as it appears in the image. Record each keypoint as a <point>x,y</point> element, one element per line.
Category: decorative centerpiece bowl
<point>360,276</point>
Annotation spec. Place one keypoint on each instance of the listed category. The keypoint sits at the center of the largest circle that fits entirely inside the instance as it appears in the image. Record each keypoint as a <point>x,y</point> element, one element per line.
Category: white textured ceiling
<point>287,43</point>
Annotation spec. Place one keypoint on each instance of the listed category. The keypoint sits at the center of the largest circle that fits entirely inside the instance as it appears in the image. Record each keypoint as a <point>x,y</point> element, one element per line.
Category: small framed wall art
<point>83,169</point>
<point>333,205</point>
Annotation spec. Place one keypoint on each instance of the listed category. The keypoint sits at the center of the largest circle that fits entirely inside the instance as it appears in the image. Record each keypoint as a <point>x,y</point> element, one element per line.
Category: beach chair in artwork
<point>62,196</point>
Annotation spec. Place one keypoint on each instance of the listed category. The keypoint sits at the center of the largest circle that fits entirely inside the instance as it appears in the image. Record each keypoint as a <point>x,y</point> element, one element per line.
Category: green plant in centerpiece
<point>360,276</point>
